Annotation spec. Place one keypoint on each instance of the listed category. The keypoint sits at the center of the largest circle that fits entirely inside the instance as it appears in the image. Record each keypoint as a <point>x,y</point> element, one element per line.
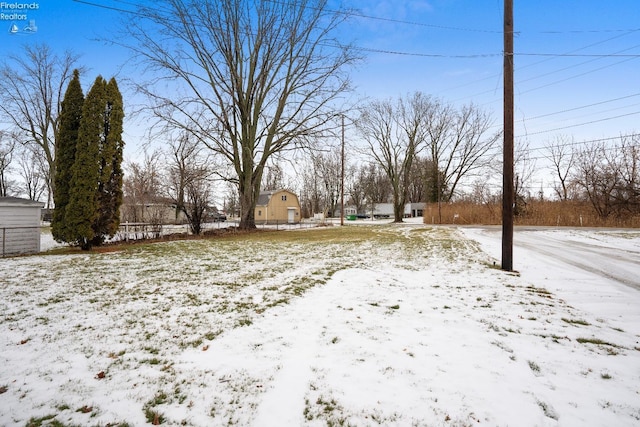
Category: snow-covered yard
<point>359,325</point>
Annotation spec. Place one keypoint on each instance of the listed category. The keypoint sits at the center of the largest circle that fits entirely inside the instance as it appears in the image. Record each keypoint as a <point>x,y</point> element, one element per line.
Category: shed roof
<point>265,196</point>
<point>17,201</point>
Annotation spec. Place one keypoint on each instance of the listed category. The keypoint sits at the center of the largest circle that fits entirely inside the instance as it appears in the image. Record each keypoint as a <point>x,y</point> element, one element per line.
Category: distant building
<point>383,210</point>
<point>158,211</point>
<point>19,226</point>
<point>413,210</point>
<point>277,207</point>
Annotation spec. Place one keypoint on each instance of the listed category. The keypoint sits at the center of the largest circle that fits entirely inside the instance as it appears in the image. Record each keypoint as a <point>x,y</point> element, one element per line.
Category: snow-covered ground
<point>384,325</point>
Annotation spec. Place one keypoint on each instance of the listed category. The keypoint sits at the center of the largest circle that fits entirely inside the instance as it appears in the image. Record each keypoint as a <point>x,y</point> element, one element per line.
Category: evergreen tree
<point>110,180</point>
<point>66,140</point>
<point>82,210</point>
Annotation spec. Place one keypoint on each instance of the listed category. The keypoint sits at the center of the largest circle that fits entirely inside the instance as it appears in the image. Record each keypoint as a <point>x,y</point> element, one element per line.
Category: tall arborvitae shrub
<point>82,210</point>
<point>95,184</point>
<point>110,180</point>
<point>66,141</point>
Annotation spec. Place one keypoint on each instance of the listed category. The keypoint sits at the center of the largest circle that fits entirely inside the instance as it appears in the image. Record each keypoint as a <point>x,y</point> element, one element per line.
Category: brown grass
<point>547,213</point>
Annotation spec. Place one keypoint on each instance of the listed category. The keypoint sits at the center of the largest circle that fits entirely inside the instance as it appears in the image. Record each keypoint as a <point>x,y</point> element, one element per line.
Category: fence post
<point>4,233</point>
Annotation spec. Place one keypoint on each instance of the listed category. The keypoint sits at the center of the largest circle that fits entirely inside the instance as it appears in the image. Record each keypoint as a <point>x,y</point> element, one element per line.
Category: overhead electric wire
<point>568,110</point>
<point>103,6</point>
<point>397,52</point>
<point>582,55</point>
<point>550,56</point>
<point>547,59</point>
<point>578,125</point>
<point>585,142</point>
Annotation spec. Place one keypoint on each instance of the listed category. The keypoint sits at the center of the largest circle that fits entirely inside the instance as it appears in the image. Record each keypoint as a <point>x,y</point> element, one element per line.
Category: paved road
<point>599,255</point>
<point>621,265</point>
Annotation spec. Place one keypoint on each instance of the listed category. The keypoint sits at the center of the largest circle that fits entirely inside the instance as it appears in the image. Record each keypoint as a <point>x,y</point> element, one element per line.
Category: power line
<point>587,31</point>
<point>425,55</point>
<point>104,6</point>
<point>356,13</point>
<point>535,64</point>
<point>470,56</point>
<point>581,107</point>
<point>418,24</point>
<point>555,113</point>
<point>581,55</point>
<point>570,144</point>
<point>591,141</point>
<point>557,81</point>
<point>361,48</point>
<point>396,52</point>
<point>579,124</point>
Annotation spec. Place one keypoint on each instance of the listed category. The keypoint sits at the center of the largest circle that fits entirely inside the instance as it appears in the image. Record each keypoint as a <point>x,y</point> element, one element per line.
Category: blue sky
<point>570,77</point>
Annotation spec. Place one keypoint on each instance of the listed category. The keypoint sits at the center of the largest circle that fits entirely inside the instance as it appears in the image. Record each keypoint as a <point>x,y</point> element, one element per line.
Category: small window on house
<point>259,213</point>
<point>284,197</point>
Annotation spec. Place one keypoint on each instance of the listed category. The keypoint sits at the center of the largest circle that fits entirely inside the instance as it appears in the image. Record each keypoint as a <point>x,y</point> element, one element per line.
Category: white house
<point>412,210</point>
<point>19,226</point>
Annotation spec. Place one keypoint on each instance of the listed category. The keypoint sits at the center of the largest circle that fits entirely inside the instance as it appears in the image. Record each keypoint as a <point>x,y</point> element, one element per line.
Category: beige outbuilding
<point>277,207</point>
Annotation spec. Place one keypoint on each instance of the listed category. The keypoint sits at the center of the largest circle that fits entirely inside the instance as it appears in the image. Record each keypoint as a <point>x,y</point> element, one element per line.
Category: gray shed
<point>19,226</point>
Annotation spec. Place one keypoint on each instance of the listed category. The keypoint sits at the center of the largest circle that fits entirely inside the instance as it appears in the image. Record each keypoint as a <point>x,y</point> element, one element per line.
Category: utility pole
<point>507,165</point>
<point>342,178</point>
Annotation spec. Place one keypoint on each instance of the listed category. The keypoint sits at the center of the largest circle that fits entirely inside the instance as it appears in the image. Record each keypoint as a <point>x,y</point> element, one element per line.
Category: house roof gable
<point>265,196</point>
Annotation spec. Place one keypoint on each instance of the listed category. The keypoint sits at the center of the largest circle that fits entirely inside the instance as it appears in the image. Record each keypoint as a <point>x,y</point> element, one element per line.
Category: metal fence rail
<point>27,240</point>
<point>146,230</point>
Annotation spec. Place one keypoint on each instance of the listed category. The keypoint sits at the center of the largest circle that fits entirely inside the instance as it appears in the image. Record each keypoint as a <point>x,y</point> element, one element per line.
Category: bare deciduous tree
<point>562,156</point>
<point>394,133</point>
<point>459,142</point>
<point>610,176</point>
<point>7,149</point>
<point>33,171</point>
<point>142,188</point>
<point>524,168</point>
<point>628,194</point>
<point>424,182</point>
<point>597,175</point>
<point>320,183</point>
<point>327,166</point>
<point>356,188</point>
<point>249,79</point>
<point>231,203</point>
<point>274,179</point>
<point>32,86</point>
<point>189,180</point>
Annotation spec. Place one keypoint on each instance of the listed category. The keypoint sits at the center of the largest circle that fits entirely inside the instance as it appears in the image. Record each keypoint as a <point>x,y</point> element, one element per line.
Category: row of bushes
<point>547,213</point>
